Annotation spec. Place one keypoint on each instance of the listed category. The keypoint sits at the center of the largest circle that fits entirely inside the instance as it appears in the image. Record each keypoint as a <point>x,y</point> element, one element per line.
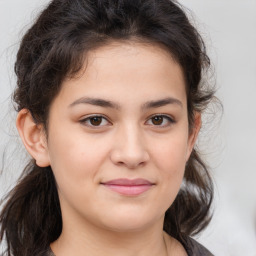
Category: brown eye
<point>161,121</point>
<point>96,120</point>
<point>157,120</point>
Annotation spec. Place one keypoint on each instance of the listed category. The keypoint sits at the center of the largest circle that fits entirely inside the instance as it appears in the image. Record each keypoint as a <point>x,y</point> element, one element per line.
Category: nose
<point>129,148</point>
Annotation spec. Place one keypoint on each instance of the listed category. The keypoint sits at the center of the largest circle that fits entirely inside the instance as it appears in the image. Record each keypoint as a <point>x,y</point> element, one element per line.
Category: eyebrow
<point>109,104</point>
<point>95,102</point>
<point>161,103</point>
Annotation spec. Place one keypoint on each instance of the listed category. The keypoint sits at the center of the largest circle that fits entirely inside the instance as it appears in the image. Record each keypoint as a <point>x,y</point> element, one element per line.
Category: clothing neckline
<point>191,246</point>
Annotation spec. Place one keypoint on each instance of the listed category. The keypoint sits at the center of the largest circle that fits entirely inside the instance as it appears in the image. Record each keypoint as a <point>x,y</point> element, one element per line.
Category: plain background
<point>229,29</point>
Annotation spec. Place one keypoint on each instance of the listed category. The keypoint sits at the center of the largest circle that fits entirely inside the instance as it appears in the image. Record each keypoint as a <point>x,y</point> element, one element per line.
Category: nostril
<point>131,161</point>
<point>136,164</point>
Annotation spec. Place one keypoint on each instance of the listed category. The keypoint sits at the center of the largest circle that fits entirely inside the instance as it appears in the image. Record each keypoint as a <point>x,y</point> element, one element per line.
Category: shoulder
<point>194,248</point>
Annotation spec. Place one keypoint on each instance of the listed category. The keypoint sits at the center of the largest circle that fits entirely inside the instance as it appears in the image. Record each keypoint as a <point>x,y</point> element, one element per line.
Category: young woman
<point>109,98</point>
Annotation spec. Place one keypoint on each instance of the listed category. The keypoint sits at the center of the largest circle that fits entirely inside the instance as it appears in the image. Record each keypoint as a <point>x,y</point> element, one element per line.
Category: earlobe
<point>33,137</point>
<point>194,133</point>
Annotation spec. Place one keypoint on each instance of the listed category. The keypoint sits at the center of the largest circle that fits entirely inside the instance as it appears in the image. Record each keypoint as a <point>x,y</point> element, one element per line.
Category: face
<point>118,137</point>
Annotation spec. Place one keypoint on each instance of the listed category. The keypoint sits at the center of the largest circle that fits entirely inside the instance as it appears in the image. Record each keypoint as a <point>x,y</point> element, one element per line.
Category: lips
<point>128,187</point>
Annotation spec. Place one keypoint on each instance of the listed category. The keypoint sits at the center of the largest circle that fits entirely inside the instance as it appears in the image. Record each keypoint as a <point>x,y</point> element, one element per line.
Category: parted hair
<point>54,48</point>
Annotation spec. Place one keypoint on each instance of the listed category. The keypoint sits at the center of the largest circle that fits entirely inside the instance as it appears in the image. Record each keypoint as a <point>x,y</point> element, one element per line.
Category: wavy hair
<point>54,48</point>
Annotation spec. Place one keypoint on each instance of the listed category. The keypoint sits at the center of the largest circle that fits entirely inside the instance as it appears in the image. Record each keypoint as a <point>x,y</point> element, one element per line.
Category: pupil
<point>157,120</point>
<point>96,120</point>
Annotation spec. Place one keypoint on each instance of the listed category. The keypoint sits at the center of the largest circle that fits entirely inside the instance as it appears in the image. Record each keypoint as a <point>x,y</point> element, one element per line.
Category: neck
<point>88,239</point>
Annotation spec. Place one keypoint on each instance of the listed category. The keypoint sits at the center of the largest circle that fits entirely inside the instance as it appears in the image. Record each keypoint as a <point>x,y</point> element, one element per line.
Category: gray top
<point>193,248</point>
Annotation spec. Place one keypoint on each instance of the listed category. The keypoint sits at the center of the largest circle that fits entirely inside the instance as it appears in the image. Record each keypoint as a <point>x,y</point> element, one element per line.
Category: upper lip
<point>128,182</point>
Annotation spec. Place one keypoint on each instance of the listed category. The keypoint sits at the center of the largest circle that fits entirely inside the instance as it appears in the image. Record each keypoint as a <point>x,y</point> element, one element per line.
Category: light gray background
<point>229,29</point>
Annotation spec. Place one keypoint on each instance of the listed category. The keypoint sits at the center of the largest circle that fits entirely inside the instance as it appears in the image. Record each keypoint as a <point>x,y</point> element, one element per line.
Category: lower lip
<point>129,190</point>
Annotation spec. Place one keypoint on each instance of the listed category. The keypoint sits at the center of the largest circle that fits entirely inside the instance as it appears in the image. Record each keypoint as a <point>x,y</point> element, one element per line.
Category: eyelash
<point>167,118</point>
<point>90,118</point>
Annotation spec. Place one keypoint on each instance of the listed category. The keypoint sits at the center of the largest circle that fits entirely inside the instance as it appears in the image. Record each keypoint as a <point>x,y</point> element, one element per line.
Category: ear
<point>33,137</point>
<point>193,133</point>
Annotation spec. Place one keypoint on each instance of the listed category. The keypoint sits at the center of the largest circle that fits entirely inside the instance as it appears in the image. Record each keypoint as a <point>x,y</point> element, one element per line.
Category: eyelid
<point>167,117</point>
<point>170,119</point>
<point>86,118</point>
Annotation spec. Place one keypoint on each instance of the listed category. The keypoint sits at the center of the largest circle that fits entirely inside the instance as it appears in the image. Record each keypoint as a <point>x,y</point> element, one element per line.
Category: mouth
<point>128,187</point>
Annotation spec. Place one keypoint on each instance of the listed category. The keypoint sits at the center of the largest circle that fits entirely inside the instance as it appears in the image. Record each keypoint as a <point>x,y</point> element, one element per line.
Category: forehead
<point>127,67</point>
<point>124,53</point>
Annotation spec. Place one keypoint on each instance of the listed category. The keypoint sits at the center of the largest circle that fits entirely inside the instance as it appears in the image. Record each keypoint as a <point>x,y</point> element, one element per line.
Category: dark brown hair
<point>55,47</point>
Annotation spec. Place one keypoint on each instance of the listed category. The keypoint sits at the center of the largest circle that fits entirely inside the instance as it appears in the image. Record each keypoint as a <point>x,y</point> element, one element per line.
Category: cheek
<point>170,160</point>
<point>75,156</point>
<point>170,156</point>
<point>75,165</point>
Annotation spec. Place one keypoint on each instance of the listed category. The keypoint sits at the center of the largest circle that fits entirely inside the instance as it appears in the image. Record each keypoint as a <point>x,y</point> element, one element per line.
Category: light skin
<point>137,92</point>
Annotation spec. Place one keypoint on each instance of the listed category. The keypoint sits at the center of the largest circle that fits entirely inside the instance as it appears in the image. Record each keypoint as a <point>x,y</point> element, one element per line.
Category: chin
<point>127,222</point>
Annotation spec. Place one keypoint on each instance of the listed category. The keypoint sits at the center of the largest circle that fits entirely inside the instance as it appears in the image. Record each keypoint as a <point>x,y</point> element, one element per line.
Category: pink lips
<point>129,187</point>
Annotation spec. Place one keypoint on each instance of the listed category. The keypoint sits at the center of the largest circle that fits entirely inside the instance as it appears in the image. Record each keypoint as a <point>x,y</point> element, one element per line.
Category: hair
<point>54,48</point>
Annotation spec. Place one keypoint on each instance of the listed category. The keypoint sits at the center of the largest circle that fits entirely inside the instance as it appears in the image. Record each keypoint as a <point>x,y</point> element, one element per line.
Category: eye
<point>95,121</point>
<point>160,120</point>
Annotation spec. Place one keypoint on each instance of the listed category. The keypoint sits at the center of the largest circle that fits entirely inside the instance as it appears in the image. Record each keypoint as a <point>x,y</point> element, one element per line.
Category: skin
<point>127,142</point>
